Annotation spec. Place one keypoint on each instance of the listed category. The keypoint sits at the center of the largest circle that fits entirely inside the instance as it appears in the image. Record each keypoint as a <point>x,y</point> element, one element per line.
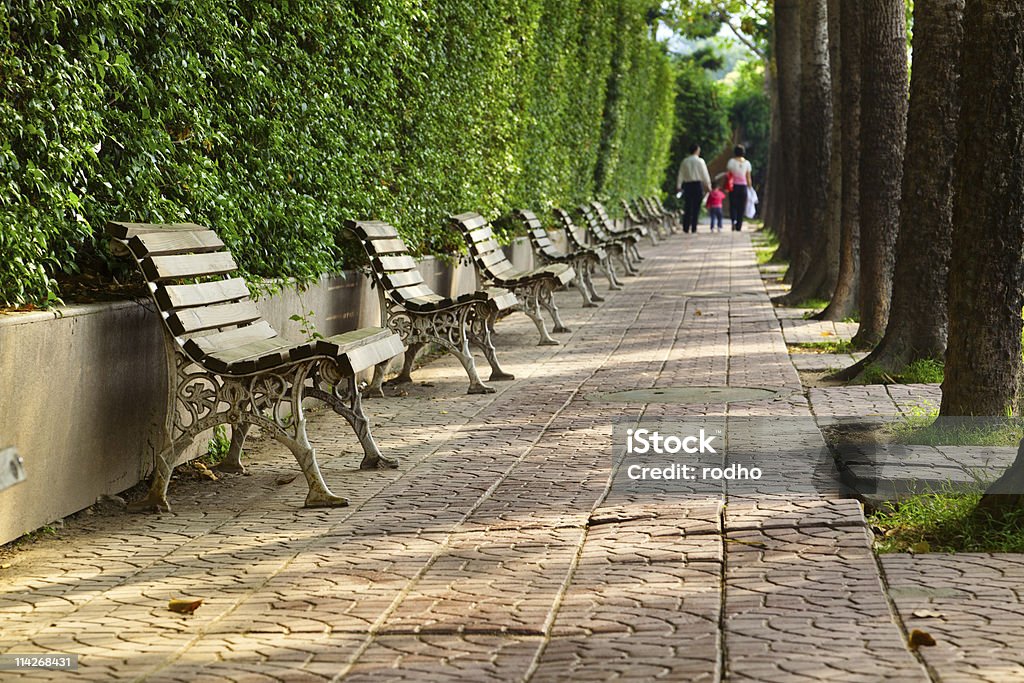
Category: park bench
<point>582,261</point>
<point>577,239</point>
<point>533,288</point>
<point>656,218</point>
<point>671,217</point>
<point>421,316</point>
<point>620,245</point>
<point>633,234</point>
<point>226,365</point>
<point>640,219</point>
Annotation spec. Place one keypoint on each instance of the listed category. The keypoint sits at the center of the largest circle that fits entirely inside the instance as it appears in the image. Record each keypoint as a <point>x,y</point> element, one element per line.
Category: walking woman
<point>738,169</point>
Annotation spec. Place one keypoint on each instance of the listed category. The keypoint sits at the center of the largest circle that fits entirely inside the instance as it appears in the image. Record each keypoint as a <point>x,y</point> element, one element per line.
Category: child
<point>715,198</point>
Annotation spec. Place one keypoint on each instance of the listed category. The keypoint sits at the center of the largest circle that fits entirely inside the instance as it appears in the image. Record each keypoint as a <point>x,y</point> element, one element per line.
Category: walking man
<point>694,182</point>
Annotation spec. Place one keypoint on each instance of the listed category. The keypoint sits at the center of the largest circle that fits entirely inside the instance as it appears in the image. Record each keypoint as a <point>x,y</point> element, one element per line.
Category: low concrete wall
<point>83,388</point>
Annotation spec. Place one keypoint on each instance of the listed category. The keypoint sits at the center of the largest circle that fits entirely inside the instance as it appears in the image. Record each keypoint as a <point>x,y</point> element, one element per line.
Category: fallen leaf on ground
<point>206,471</point>
<point>921,547</point>
<point>184,605</point>
<point>286,479</point>
<point>919,638</point>
<point>826,333</point>
<point>5,565</point>
<point>927,614</point>
<point>753,544</point>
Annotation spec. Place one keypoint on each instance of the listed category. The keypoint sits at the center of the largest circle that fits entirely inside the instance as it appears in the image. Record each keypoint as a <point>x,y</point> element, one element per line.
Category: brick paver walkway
<point>496,552</point>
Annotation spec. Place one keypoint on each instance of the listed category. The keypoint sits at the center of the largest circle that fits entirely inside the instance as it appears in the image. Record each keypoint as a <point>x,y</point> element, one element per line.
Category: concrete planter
<point>83,391</point>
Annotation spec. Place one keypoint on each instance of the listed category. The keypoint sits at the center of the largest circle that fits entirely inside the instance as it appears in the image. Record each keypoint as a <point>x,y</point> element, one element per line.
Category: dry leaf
<point>921,547</point>
<point>826,333</point>
<point>698,312</point>
<point>927,614</point>
<point>5,565</point>
<point>919,638</point>
<point>184,605</point>
<point>205,471</point>
<point>286,479</point>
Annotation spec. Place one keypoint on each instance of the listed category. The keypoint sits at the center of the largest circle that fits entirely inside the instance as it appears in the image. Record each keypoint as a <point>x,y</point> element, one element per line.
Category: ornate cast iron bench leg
<point>479,326</point>
<point>342,395</point>
<point>529,294</point>
<point>585,268</point>
<point>546,298</point>
<point>232,462</point>
<point>580,282</point>
<point>614,284</point>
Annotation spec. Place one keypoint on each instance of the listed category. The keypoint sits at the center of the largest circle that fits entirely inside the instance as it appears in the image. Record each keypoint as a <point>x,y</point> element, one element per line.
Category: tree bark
<point>835,169</point>
<point>787,59</point>
<point>883,137</point>
<point>773,201</point>
<point>808,236</point>
<point>914,331</point>
<point>843,303</point>
<point>986,279</point>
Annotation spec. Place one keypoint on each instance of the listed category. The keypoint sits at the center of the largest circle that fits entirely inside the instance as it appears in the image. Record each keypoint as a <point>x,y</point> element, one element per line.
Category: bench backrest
<point>394,269</point>
<point>539,238</point>
<point>631,215</point>
<point>595,225</point>
<point>487,254</point>
<point>189,274</point>
<point>576,237</point>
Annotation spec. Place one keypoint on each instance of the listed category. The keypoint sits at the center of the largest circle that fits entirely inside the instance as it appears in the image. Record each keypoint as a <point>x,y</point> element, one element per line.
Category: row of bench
<point>226,365</point>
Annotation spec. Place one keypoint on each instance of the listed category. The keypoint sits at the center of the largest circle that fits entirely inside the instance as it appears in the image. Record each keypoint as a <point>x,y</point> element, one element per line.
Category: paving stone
<point>498,549</point>
<point>970,603</point>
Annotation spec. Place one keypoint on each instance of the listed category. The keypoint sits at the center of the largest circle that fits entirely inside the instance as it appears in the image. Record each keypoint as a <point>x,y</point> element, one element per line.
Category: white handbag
<point>751,209</point>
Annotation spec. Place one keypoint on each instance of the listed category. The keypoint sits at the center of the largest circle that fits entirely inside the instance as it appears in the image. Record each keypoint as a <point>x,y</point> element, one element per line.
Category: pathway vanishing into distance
<point>500,550</point>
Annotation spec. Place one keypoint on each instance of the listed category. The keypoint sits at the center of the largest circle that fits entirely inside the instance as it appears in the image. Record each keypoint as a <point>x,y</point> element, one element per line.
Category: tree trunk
<point>835,169</point>
<point>808,237</point>
<point>986,279</point>
<point>787,58</point>
<point>914,331</point>
<point>844,300</point>
<point>883,137</point>
<point>773,202</point>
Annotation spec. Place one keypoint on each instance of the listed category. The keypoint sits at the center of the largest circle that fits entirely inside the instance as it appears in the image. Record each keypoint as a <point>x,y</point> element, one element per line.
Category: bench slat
<point>218,342</point>
<point>412,292</point>
<point>493,258</point>
<point>395,263</point>
<point>404,279</point>
<point>372,230</point>
<point>174,242</point>
<point>125,231</point>
<point>159,268</point>
<point>470,220</point>
<point>481,234</point>
<point>387,246</point>
<point>202,294</point>
<point>251,357</point>
<point>212,317</point>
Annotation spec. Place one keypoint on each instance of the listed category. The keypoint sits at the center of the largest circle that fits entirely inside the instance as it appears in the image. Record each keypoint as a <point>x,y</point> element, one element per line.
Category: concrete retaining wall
<point>83,388</point>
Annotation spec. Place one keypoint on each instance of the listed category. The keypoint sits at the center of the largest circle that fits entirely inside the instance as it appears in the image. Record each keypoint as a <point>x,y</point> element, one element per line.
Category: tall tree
<point>986,281</point>
<point>835,169</point>
<point>926,214</point>
<point>815,140</point>
<point>787,59</point>
<point>883,137</point>
<point>843,303</point>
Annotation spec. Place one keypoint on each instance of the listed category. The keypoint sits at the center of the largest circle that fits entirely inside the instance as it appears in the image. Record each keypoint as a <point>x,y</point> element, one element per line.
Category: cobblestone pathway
<point>496,551</point>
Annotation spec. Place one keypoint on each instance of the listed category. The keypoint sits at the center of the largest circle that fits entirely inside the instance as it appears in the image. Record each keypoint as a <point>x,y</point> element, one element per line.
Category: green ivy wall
<point>274,121</point>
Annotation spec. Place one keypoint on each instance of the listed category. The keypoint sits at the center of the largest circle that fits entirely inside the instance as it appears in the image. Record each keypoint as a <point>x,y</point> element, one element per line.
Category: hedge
<point>273,121</point>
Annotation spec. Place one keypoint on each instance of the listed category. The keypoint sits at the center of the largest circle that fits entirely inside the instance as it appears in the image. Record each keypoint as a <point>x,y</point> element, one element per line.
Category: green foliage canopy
<point>274,121</point>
